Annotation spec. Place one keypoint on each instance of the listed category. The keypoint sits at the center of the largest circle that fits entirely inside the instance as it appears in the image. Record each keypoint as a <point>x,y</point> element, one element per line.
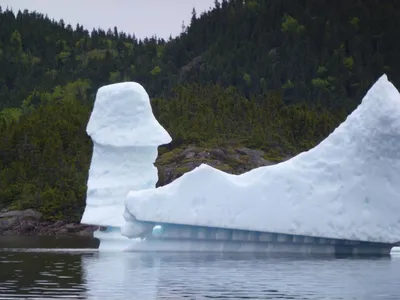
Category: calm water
<point>86,274</point>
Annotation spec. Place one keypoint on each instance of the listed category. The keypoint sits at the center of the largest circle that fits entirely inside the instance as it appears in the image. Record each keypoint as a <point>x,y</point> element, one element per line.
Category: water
<point>43,273</point>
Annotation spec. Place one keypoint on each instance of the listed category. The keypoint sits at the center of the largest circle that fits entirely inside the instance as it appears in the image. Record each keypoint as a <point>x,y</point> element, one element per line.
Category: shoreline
<point>28,223</point>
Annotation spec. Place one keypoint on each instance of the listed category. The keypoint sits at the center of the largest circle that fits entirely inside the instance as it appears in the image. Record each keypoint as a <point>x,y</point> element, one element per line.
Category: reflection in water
<point>121,275</point>
<point>201,276</point>
<point>95,275</point>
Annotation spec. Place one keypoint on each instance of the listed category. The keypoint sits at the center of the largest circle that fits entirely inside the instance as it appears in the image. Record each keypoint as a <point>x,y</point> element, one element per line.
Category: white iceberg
<point>125,137</point>
<point>347,187</point>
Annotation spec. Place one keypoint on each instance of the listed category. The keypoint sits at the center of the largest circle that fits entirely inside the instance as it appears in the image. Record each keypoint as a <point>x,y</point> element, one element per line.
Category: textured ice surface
<point>125,137</point>
<point>348,186</point>
<point>122,117</point>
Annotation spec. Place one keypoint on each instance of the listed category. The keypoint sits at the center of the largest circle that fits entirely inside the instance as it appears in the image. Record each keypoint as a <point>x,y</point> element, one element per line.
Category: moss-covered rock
<point>231,159</point>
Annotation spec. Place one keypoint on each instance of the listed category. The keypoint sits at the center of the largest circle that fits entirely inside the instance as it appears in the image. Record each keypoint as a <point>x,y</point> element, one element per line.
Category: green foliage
<point>236,38</point>
<point>115,77</point>
<point>46,156</point>
<point>15,42</point>
<point>264,122</point>
<point>9,115</point>
<point>97,54</point>
<point>321,70</point>
<point>288,85</point>
<point>156,70</point>
<point>355,21</point>
<point>247,78</point>
<point>252,4</point>
<point>348,62</point>
<point>320,83</point>
<point>239,72</point>
<point>290,24</point>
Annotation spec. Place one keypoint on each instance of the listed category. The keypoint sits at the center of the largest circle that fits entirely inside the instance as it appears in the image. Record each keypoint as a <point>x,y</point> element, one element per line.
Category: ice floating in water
<point>125,137</point>
<point>346,187</point>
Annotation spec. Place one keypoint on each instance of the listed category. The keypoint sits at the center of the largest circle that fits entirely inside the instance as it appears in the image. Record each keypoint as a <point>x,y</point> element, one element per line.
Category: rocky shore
<point>28,222</point>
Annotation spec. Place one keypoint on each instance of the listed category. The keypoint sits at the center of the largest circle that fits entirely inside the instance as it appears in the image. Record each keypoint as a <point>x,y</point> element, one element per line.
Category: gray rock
<point>21,214</point>
<point>58,224</point>
<point>26,226</point>
<point>73,228</point>
<point>255,156</point>
<point>8,223</point>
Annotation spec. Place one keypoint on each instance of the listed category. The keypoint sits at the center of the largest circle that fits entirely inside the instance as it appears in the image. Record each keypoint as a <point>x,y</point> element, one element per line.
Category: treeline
<point>45,152</point>
<point>318,52</point>
<point>276,75</point>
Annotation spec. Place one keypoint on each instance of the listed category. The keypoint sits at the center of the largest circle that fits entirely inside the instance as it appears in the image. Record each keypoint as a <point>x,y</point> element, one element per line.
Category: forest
<point>275,75</point>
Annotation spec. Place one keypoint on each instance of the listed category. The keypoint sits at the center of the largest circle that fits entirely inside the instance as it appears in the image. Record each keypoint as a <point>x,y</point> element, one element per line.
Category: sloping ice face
<point>347,187</point>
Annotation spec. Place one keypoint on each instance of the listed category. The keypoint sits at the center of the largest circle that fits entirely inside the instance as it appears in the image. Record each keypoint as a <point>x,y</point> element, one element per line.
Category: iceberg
<point>125,137</point>
<point>347,187</point>
<point>342,196</point>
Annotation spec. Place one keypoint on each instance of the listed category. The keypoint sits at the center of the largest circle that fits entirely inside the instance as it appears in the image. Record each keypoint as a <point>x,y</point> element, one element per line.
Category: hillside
<point>273,76</point>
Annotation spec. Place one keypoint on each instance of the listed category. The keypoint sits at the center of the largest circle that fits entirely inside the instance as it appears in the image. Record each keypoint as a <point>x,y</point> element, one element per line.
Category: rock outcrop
<point>28,222</point>
<point>235,160</point>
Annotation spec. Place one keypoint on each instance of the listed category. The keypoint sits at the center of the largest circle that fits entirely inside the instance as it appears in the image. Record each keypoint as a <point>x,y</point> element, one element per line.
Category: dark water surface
<point>36,272</point>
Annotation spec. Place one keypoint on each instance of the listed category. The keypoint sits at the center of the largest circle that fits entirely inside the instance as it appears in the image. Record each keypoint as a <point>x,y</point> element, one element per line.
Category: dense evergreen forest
<point>276,75</point>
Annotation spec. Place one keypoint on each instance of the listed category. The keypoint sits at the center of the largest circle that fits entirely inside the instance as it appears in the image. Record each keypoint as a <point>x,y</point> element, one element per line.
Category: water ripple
<point>94,275</point>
